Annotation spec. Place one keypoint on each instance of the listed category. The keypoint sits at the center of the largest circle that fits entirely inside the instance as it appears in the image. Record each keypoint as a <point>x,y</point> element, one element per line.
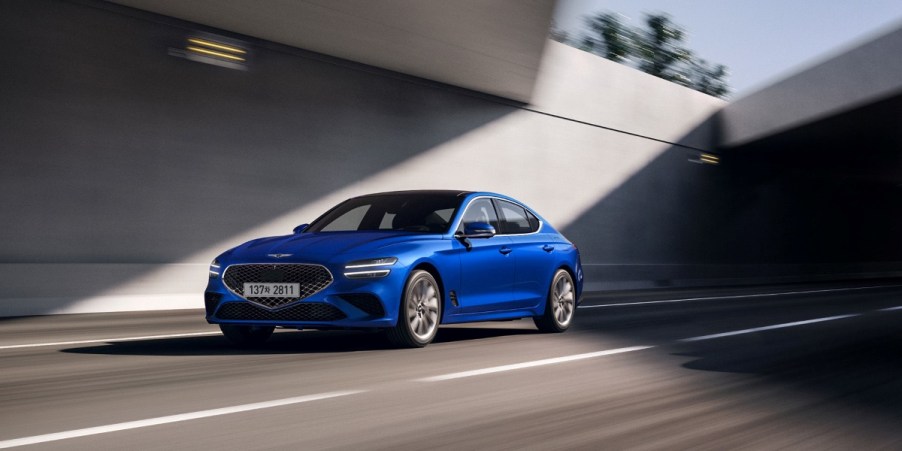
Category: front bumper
<point>345,303</point>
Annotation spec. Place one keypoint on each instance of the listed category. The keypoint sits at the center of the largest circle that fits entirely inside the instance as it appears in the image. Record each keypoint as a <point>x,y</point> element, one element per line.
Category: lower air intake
<point>313,311</point>
<point>369,303</point>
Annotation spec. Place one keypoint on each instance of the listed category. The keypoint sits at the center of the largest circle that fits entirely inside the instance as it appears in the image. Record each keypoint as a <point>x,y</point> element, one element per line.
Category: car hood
<point>321,245</point>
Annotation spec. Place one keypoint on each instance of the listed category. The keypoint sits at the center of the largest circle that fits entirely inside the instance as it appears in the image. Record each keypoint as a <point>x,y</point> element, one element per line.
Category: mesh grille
<point>313,311</point>
<point>364,301</point>
<point>312,278</point>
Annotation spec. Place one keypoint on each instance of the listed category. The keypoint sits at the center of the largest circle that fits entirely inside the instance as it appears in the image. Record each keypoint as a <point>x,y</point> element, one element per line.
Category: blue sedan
<point>403,262</point>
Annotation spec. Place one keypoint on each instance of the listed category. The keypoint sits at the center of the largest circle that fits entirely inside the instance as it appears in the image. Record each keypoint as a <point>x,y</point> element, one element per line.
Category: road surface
<point>801,367</point>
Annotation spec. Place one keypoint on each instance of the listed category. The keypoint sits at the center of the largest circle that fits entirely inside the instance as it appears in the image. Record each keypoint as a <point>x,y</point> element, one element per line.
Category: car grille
<point>364,301</point>
<point>312,311</point>
<point>312,279</point>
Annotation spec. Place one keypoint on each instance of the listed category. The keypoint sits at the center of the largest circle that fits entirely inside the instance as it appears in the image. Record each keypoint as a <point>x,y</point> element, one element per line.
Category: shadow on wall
<point>125,152</point>
<point>119,159</point>
<point>116,153</point>
<point>655,221</point>
<point>806,206</point>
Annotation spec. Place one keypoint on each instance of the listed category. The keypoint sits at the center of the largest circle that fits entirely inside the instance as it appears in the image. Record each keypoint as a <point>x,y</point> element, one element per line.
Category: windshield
<point>408,212</point>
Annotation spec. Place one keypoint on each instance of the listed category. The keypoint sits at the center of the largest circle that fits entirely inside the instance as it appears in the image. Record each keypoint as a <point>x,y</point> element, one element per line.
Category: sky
<point>760,41</point>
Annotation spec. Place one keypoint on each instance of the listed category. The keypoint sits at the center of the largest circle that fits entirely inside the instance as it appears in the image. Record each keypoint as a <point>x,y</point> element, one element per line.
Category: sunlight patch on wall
<point>560,168</point>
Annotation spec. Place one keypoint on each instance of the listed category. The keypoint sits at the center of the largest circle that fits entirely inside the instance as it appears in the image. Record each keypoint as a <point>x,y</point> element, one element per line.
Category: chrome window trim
<point>464,210</point>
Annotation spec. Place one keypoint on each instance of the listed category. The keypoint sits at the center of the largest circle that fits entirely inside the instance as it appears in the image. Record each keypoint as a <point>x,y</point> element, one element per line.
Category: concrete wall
<point>488,46</point>
<point>126,170</point>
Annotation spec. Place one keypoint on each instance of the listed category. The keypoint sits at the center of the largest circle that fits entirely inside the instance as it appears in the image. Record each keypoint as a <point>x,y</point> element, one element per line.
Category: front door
<point>487,269</point>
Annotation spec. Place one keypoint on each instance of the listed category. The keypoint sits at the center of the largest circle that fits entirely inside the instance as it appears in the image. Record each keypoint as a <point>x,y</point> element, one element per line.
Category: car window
<point>480,210</point>
<point>409,212</point>
<point>445,214</point>
<point>515,219</point>
<point>387,219</point>
<point>350,220</point>
<point>533,221</point>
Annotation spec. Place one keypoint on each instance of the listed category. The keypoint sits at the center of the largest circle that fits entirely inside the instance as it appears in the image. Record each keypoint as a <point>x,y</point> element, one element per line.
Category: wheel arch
<point>566,267</point>
<point>433,270</point>
<point>573,267</point>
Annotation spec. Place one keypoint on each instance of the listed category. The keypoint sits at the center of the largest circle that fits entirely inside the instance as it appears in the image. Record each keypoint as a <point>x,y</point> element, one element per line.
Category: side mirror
<point>301,228</point>
<point>478,230</point>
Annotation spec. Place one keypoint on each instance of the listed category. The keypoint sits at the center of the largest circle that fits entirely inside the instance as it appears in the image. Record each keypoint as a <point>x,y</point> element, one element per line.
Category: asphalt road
<point>814,370</point>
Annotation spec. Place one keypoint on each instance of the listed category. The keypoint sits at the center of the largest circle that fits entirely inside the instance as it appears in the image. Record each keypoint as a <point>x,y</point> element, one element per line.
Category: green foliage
<point>657,49</point>
<point>558,35</point>
<point>710,79</point>
<point>614,41</point>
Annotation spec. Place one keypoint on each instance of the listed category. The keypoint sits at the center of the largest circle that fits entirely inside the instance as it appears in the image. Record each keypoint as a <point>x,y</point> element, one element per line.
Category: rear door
<point>532,254</point>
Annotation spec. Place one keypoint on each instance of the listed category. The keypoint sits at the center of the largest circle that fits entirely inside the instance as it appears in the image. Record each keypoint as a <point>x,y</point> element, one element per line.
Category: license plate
<point>272,290</point>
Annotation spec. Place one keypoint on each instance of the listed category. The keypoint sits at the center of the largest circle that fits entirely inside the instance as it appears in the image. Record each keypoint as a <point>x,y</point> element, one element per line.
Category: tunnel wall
<point>125,169</point>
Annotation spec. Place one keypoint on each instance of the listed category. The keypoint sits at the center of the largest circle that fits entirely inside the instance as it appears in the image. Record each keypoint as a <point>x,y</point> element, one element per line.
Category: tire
<point>246,335</point>
<point>419,314</point>
<point>561,304</point>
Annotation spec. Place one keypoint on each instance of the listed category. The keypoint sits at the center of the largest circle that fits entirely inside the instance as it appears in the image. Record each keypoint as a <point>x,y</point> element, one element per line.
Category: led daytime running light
<point>389,261</point>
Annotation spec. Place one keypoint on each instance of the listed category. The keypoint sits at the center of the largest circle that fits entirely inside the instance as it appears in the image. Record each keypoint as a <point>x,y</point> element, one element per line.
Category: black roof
<point>422,191</point>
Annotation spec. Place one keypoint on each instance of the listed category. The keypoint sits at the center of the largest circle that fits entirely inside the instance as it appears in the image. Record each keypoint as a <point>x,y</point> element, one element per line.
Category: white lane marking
<point>517,366</point>
<point>108,340</point>
<point>171,419</point>
<point>738,296</point>
<point>772,327</point>
<point>890,309</point>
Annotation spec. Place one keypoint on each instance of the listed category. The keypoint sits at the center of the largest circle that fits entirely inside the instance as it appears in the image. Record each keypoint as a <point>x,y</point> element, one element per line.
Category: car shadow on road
<point>289,342</point>
<point>857,369</point>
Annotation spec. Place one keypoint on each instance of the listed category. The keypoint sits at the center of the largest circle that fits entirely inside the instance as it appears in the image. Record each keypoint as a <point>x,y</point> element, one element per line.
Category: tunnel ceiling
<point>833,101</point>
<point>840,120</point>
<point>493,47</point>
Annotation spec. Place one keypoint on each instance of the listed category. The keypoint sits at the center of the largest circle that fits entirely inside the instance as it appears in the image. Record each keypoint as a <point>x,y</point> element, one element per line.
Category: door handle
<point>547,248</point>
<point>505,250</point>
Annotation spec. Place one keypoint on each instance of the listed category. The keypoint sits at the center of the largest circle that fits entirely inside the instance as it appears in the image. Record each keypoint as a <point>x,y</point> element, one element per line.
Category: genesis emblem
<point>279,255</point>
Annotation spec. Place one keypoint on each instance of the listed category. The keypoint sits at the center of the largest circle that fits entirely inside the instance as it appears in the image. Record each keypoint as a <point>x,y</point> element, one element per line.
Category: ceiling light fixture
<point>215,50</point>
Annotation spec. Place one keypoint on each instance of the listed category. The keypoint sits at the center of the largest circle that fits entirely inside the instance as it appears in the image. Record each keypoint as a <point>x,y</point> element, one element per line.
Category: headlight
<point>369,269</point>
<point>214,269</point>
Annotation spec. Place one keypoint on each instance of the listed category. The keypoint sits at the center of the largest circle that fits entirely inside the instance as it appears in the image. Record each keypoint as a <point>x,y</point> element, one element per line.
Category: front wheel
<point>561,304</point>
<point>420,312</point>
<point>246,335</point>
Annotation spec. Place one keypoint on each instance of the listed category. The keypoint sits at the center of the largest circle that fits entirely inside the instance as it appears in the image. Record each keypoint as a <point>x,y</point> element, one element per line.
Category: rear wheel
<point>420,312</point>
<point>561,304</point>
<point>246,335</point>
